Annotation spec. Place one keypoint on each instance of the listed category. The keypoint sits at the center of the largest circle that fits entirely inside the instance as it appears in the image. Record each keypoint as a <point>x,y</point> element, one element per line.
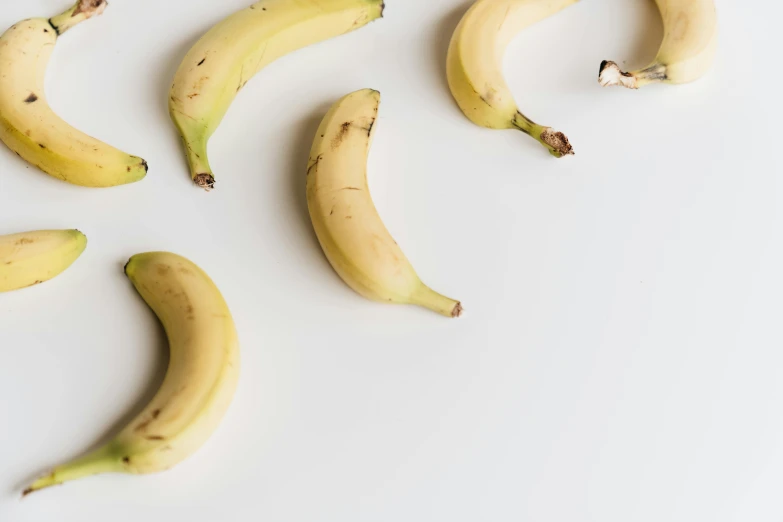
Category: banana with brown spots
<point>30,127</point>
<point>30,258</point>
<point>200,380</point>
<point>474,66</point>
<point>233,51</point>
<point>347,224</point>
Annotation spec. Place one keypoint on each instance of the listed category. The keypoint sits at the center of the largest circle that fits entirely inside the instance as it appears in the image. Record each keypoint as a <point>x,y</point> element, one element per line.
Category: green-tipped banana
<point>690,30</point>
<point>30,258</point>
<point>233,51</point>
<point>29,126</point>
<point>474,66</point>
<point>199,384</point>
<point>346,222</point>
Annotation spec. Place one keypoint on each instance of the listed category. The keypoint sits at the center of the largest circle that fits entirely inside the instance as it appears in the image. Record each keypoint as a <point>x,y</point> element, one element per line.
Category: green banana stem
<point>103,460</point>
<point>429,298</point>
<point>200,170</point>
<point>556,142</point>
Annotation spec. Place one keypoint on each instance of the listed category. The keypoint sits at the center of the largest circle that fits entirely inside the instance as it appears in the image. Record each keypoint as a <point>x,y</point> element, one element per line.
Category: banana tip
<point>610,74</point>
<point>558,143</point>
<point>458,310</point>
<point>205,181</point>
<point>91,7</point>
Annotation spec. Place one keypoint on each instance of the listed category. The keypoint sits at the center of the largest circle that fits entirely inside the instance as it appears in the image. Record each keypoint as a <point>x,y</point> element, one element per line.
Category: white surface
<point>620,359</point>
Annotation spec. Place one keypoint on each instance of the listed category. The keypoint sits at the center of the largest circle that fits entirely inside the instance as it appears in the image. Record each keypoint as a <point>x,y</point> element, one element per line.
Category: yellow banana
<point>31,258</point>
<point>29,126</point>
<point>199,384</point>
<point>233,51</point>
<point>474,66</point>
<point>346,222</point>
<point>690,30</point>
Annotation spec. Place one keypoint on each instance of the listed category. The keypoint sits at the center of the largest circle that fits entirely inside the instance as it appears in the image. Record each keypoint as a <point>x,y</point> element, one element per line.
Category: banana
<point>199,383</point>
<point>346,222</point>
<point>690,29</point>
<point>234,50</point>
<point>31,258</point>
<point>474,66</point>
<point>29,127</point>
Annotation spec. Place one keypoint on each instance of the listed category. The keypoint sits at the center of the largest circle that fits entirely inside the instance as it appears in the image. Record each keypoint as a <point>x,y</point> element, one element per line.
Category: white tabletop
<point>620,359</point>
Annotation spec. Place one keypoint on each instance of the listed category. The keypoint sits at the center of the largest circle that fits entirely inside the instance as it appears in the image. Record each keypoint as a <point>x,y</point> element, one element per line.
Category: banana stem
<point>436,302</point>
<point>103,460</point>
<point>556,142</point>
<point>81,11</point>
<point>610,74</point>
<point>200,170</point>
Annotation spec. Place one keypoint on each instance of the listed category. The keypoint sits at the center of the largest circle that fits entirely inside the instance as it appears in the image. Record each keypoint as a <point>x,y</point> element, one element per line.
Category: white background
<point>620,359</point>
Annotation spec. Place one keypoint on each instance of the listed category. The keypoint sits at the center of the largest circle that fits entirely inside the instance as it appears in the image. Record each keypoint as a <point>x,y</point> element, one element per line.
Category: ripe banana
<point>29,126</point>
<point>474,66</point>
<point>199,383</point>
<point>31,258</point>
<point>690,29</point>
<point>233,51</point>
<point>346,222</point>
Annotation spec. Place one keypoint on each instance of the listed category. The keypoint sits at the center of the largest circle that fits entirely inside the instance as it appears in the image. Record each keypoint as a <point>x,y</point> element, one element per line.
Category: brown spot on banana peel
<point>345,127</point>
<point>341,134</point>
<point>315,163</point>
<point>142,426</point>
<point>56,29</point>
<point>32,98</point>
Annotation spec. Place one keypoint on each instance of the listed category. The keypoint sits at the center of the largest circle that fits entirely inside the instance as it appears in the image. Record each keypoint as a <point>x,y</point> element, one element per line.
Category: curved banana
<point>346,222</point>
<point>474,66</point>
<point>29,126</point>
<point>199,383</point>
<point>686,53</point>
<point>233,51</point>
<point>31,258</point>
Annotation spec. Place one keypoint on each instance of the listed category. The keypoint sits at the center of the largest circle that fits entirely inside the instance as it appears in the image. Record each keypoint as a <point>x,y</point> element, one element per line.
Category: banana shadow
<point>303,134</point>
<point>441,40</point>
<point>154,380</point>
<point>168,68</point>
<point>648,34</point>
<point>151,387</point>
<point>643,49</point>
